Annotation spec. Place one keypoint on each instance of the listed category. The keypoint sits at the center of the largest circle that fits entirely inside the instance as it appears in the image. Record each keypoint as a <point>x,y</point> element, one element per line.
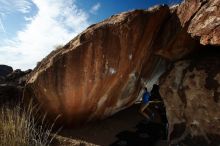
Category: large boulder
<point>190,88</point>
<point>191,93</point>
<point>202,19</point>
<point>98,73</point>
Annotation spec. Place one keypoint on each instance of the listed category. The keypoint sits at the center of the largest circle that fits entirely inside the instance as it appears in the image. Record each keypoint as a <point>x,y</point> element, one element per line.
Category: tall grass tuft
<point>19,127</point>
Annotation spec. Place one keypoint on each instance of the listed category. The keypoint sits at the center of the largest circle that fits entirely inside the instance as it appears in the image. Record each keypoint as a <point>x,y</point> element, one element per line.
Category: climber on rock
<point>144,104</point>
<point>152,104</point>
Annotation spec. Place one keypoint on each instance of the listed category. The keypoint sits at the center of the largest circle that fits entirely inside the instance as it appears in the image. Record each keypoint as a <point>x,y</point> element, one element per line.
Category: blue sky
<point>30,29</point>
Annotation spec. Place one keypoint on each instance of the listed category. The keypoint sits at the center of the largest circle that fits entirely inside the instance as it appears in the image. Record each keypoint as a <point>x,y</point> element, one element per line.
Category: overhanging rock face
<point>98,72</point>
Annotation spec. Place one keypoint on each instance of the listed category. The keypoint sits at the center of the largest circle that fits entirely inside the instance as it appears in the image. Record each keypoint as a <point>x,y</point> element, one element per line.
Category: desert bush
<point>57,47</point>
<point>22,127</point>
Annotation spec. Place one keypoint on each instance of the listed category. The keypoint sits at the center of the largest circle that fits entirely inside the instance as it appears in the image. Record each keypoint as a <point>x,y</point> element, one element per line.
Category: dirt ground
<point>125,128</point>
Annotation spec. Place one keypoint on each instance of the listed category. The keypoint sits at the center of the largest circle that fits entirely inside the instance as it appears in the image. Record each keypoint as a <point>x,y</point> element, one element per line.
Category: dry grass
<point>18,128</point>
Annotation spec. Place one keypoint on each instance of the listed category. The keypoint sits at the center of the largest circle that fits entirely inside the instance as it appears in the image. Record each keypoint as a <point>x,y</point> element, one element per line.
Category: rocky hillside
<point>100,71</point>
<point>12,83</point>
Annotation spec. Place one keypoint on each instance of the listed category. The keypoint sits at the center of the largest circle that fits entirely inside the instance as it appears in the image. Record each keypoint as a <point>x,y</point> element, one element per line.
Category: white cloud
<point>56,22</point>
<point>2,28</point>
<point>7,6</point>
<point>95,8</point>
<point>28,18</point>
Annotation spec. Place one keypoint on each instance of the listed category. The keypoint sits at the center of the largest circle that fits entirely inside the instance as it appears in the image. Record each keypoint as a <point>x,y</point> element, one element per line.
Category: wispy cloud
<point>56,22</point>
<point>95,8</point>
<point>28,18</point>
<point>2,28</point>
<point>7,6</point>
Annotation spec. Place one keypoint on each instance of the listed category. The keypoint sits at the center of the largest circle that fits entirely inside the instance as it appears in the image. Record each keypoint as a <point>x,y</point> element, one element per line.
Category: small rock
<point>5,70</point>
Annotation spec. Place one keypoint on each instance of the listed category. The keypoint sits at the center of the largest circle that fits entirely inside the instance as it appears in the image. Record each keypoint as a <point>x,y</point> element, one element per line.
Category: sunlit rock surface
<point>202,19</point>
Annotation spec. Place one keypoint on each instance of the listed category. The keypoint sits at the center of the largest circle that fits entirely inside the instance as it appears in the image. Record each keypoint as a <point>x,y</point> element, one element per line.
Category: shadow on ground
<point>126,128</point>
<point>147,134</point>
